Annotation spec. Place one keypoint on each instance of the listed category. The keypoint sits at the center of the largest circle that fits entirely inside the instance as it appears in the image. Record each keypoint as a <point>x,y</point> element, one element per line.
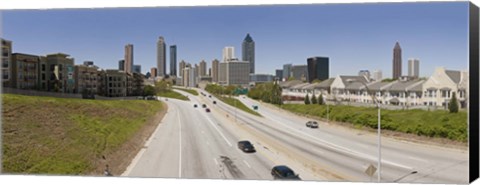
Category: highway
<point>340,146</point>
<point>190,143</point>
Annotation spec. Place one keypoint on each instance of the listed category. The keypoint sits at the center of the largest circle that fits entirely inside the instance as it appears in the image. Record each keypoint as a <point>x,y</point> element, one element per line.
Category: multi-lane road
<point>191,143</point>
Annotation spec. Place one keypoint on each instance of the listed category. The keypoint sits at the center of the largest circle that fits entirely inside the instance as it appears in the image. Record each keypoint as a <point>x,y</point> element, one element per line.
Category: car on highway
<point>209,96</point>
<point>195,106</point>
<point>246,146</point>
<point>207,110</point>
<point>214,102</point>
<point>283,172</point>
<point>204,106</point>
<point>312,124</point>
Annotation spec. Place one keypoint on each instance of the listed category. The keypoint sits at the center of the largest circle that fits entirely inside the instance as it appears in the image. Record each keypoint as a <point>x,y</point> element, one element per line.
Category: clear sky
<point>353,36</point>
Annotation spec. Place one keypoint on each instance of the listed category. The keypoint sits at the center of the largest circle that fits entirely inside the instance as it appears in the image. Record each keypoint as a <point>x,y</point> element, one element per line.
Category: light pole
<point>378,126</point>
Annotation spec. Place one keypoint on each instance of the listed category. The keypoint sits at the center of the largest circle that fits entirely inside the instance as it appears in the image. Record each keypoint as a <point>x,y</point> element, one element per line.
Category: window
<point>43,76</point>
<point>43,67</point>
<point>60,67</point>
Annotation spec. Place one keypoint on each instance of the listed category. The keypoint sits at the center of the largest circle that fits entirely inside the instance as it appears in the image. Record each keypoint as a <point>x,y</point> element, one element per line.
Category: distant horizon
<point>435,32</point>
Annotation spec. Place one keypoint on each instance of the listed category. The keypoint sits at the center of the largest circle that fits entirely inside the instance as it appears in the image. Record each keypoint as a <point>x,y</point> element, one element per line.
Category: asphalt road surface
<point>191,143</point>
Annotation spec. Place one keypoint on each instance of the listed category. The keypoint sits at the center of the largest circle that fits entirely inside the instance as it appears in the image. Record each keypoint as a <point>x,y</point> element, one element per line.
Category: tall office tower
<point>161,57</point>
<point>287,71</point>
<point>137,68</point>
<point>377,75</point>
<point>121,65</point>
<point>413,67</point>
<point>181,66</point>
<point>300,72</point>
<point>248,52</point>
<point>210,72</point>
<point>238,72</point>
<point>128,58</point>
<point>215,66</point>
<point>153,72</point>
<point>203,68</point>
<point>173,60</point>
<point>364,73</point>
<point>317,68</point>
<point>228,53</point>
<point>397,61</point>
<point>279,74</point>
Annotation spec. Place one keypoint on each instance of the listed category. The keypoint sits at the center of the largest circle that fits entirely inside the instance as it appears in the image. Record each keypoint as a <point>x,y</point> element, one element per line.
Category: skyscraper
<point>128,58</point>
<point>228,53</point>
<point>248,52</point>
<point>215,66</point>
<point>121,65</point>
<point>153,72</point>
<point>203,68</point>
<point>173,60</point>
<point>279,74</point>
<point>161,57</point>
<point>137,68</point>
<point>397,61</point>
<point>318,68</point>
<point>287,71</point>
<point>413,67</point>
<point>181,66</point>
<point>377,75</point>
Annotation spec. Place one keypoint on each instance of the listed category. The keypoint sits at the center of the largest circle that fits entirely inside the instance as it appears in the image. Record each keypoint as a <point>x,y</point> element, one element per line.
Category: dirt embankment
<point>119,160</point>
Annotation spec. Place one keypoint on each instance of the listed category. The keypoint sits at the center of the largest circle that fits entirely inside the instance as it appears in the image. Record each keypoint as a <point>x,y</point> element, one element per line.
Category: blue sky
<point>353,36</point>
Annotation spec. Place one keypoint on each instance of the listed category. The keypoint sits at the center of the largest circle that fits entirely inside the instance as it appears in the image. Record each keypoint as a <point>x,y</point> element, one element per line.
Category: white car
<point>312,124</point>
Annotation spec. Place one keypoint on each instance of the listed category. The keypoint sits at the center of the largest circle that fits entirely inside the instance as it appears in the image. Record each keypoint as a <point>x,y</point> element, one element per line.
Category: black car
<point>246,146</point>
<point>284,173</point>
<point>209,96</point>
<point>194,105</point>
<point>207,110</point>
<point>214,102</point>
<point>204,106</point>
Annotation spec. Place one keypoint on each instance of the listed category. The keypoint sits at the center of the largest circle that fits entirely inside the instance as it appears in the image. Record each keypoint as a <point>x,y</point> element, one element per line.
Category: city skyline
<point>349,51</point>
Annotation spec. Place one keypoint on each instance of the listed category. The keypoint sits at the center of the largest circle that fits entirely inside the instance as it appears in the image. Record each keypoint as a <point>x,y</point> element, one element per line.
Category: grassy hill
<point>44,135</point>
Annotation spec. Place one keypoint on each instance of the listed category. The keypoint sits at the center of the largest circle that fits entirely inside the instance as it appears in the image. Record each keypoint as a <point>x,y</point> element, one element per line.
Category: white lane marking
<point>213,124</point>
<point>338,147</point>
<point>417,159</point>
<point>180,145</point>
<point>247,164</point>
<point>215,160</point>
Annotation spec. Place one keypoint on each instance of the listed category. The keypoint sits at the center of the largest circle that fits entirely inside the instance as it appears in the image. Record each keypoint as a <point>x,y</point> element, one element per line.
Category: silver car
<point>312,124</point>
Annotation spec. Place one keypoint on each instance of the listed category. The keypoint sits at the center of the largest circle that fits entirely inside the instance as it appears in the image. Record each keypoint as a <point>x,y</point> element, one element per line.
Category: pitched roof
<point>402,85</point>
<point>288,84</point>
<point>354,78</point>
<point>322,85</point>
<point>299,86</point>
<point>377,86</point>
<point>454,75</point>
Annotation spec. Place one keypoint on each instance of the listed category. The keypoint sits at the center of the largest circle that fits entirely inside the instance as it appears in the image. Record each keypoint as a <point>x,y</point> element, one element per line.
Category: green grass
<point>191,91</point>
<point>173,94</point>
<point>240,105</point>
<point>438,123</point>
<point>44,135</point>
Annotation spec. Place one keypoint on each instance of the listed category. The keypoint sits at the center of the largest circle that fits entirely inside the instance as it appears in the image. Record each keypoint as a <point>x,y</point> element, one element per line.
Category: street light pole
<point>378,128</point>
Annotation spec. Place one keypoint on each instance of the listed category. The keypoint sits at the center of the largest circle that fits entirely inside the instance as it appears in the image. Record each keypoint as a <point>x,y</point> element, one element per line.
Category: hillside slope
<point>44,135</point>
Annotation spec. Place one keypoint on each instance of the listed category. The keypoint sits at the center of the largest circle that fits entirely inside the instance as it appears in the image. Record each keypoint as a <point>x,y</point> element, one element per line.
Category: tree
<point>320,100</point>
<point>316,81</point>
<point>148,90</point>
<point>314,99</point>
<point>453,105</point>
<point>291,78</point>
<point>307,100</point>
